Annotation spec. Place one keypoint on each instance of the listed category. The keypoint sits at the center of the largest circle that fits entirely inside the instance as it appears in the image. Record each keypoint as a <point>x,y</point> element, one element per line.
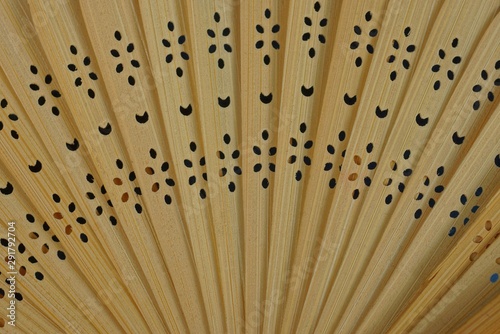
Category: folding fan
<point>231,166</point>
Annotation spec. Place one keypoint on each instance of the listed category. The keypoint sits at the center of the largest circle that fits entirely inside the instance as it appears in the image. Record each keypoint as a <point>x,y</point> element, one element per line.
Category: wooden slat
<point>213,28</point>
<point>114,26</point>
<point>263,31</point>
<point>346,75</point>
<point>405,143</point>
<point>309,41</point>
<point>379,105</point>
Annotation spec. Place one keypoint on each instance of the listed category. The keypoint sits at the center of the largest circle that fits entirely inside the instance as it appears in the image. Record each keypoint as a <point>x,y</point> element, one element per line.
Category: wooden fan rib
<point>97,147</point>
<point>470,290</point>
<point>108,30</point>
<point>484,321</point>
<point>45,176</point>
<point>42,300</point>
<point>77,287</point>
<point>95,274</point>
<point>262,41</point>
<point>345,77</point>
<point>169,45</point>
<point>149,113</point>
<point>422,99</point>
<point>212,25</point>
<point>476,239</point>
<point>35,320</point>
<point>309,41</point>
<point>384,93</point>
<point>458,109</point>
<point>433,233</point>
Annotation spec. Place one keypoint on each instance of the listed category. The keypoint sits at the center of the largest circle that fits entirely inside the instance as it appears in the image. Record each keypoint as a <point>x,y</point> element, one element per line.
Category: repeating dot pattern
<point>118,182</point>
<point>36,168</point>
<point>480,242</point>
<point>434,192</point>
<point>81,74</point>
<point>161,180</point>
<point>267,37</point>
<point>92,196</point>
<point>230,157</point>
<point>175,49</point>
<point>484,89</point>
<point>200,181</point>
<point>174,45</point>
<point>309,22</point>
<point>398,59</point>
<point>454,61</point>
<point>260,167</point>
<point>365,35</point>
<point>304,160</point>
<point>329,163</point>
<point>370,166</point>
<point>47,80</point>
<point>27,264</point>
<point>124,63</point>
<point>458,214</point>
<point>314,42</point>
<point>8,118</point>
<point>399,172</point>
<point>219,37</point>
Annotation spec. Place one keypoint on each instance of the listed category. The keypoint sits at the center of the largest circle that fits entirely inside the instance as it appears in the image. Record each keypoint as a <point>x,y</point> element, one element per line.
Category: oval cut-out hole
<point>387,182</point>
<point>150,171</point>
<point>393,165</point>
<point>33,235</point>
<point>477,239</point>
<point>58,215</point>
<point>155,187</point>
<point>68,229</point>
<point>117,181</point>
<point>22,270</point>
<point>488,225</point>
<point>473,256</point>
<point>357,160</point>
<point>353,177</point>
<point>125,197</point>
<point>45,248</point>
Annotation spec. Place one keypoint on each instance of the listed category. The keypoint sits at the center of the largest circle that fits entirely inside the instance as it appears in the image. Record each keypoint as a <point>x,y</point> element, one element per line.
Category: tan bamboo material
<point>230,166</point>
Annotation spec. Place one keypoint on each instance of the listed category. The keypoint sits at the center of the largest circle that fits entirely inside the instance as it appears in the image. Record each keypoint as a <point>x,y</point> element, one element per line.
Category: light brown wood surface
<point>230,166</point>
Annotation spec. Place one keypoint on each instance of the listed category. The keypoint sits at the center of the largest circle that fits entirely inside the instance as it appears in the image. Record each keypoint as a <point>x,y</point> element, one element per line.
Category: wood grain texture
<point>228,166</point>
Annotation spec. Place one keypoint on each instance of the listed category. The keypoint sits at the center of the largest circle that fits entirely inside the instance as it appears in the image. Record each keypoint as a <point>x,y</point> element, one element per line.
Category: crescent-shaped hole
<point>421,121</point>
<point>142,118</point>
<point>37,167</point>
<point>307,91</point>
<point>266,99</point>
<point>105,130</point>
<point>186,111</point>
<point>73,146</point>
<point>457,139</point>
<point>381,113</point>
<point>350,100</point>
<point>7,190</point>
<point>224,103</point>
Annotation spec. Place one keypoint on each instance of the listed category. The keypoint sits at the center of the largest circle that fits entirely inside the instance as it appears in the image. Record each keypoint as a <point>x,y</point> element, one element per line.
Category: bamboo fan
<point>273,166</point>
